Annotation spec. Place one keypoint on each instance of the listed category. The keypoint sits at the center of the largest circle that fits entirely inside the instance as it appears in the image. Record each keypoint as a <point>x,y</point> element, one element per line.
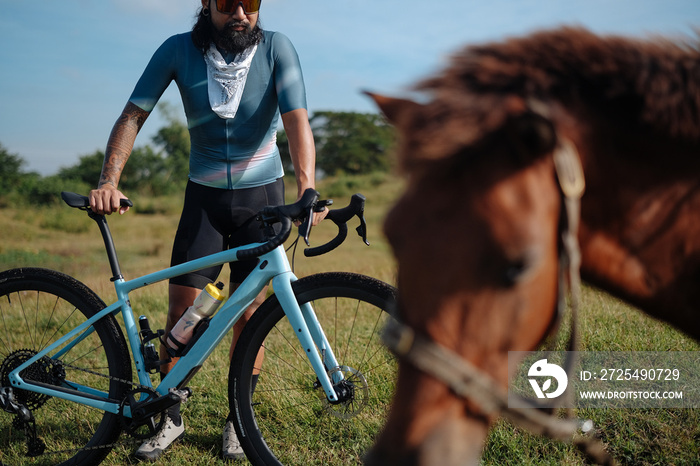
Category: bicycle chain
<point>124,442</point>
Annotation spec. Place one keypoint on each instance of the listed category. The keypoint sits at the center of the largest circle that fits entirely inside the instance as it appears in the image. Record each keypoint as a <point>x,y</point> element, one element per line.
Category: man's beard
<point>234,41</point>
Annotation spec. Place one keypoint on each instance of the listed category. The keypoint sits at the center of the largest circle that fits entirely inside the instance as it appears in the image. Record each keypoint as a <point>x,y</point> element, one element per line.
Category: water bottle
<point>205,304</point>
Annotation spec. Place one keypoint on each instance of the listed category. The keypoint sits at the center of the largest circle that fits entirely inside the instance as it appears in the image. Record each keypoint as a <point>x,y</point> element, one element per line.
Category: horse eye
<point>513,272</point>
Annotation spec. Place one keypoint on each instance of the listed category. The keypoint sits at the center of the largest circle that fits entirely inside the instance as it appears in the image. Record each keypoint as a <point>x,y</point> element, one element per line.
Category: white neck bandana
<point>227,80</point>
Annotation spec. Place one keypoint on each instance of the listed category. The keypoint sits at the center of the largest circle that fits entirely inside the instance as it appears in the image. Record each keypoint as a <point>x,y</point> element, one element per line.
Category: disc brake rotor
<point>353,393</point>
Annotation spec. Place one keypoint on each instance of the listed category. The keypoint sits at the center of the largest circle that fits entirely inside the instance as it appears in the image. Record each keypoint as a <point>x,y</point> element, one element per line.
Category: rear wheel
<point>38,307</point>
<point>288,419</point>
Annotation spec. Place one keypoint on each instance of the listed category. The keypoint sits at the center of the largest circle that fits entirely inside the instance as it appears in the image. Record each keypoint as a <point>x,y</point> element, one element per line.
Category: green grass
<point>63,239</point>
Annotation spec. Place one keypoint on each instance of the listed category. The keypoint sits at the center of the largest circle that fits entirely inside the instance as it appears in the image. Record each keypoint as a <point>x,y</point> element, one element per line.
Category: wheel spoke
<point>37,307</point>
<point>297,424</point>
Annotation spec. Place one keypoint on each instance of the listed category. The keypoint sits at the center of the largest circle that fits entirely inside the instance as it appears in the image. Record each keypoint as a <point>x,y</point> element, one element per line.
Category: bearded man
<point>235,80</point>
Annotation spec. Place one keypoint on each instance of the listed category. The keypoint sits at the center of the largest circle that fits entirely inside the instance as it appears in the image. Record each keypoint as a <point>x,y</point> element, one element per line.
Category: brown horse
<point>476,234</point>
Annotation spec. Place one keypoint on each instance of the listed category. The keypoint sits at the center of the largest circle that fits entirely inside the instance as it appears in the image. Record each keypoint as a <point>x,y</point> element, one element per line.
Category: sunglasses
<point>229,7</point>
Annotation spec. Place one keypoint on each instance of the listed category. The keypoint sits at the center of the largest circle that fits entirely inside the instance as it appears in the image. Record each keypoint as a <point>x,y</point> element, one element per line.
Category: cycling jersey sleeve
<point>157,76</point>
<point>289,81</point>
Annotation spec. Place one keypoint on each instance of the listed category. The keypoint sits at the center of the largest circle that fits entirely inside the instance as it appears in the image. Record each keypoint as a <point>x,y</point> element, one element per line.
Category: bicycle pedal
<point>182,393</point>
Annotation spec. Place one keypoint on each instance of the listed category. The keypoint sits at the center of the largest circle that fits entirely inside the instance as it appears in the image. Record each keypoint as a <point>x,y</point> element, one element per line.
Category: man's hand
<point>105,200</point>
<point>318,216</point>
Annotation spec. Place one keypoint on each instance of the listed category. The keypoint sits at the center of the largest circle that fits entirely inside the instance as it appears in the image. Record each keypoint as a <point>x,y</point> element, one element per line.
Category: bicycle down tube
<point>273,266</point>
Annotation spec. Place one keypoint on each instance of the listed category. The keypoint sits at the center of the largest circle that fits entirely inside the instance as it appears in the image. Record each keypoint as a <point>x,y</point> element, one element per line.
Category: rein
<point>468,381</point>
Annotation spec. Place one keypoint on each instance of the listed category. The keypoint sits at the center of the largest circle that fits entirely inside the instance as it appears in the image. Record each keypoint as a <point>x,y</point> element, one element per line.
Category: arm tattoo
<point>121,142</point>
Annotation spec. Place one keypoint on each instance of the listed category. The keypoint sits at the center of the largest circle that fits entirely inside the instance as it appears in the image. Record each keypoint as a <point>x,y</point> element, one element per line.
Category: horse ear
<point>535,134</point>
<point>395,110</point>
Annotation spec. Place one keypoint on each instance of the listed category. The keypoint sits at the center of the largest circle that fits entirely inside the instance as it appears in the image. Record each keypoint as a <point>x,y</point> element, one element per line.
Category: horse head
<point>476,239</point>
<point>491,214</point>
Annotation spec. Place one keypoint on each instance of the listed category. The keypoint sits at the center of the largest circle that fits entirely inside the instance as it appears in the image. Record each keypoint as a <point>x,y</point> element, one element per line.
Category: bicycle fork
<point>310,335</point>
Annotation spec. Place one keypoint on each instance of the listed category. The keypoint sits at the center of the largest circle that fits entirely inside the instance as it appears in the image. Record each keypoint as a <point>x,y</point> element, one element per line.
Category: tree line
<point>346,143</point>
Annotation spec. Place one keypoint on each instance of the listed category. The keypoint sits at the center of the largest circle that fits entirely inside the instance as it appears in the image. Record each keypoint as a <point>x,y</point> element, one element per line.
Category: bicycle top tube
<point>230,255</point>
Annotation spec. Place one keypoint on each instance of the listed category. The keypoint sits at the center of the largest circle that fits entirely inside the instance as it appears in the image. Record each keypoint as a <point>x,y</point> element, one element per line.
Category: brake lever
<point>362,228</point>
<point>305,227</point>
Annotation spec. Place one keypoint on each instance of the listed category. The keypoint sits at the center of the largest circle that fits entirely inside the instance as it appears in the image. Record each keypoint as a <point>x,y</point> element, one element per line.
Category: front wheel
<point>37,307</point>
<point>287,419</point>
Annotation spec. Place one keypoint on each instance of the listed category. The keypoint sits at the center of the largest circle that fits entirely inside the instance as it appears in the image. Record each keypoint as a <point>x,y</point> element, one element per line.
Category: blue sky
<point>67,67</point>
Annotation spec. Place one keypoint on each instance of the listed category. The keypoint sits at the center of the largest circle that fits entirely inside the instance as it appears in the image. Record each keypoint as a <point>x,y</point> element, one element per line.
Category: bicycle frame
<point>272,266</point>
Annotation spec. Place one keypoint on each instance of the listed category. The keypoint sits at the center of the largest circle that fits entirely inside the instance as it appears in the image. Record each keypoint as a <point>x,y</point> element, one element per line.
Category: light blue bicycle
<point>71,383</point>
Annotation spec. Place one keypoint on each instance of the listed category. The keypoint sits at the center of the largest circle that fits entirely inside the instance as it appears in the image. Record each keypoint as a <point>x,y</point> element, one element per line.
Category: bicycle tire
<point>288,419</point>
<point>37,307</point>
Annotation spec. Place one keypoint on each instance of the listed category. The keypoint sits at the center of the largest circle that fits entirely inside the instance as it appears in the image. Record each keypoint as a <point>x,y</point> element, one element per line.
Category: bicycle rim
<point>37,307</point>
<point>289,420</point>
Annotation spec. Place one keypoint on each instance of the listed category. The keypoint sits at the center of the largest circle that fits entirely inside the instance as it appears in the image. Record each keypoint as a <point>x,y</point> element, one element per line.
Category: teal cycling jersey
<point>239,152</point>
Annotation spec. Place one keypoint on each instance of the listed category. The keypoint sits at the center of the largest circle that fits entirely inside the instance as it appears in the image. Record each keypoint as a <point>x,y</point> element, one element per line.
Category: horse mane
<point>653,82</point>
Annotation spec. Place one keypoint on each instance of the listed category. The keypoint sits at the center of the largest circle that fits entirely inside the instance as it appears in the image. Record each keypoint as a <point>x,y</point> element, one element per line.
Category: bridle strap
<point>567,165</point>
<point>470,382</point>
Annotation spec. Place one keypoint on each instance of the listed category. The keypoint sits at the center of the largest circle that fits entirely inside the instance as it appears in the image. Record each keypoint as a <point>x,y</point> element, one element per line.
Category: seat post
<point>109,245</point>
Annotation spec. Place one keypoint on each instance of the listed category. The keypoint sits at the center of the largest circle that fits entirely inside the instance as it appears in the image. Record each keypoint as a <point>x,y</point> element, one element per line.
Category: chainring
<point>140,428</point>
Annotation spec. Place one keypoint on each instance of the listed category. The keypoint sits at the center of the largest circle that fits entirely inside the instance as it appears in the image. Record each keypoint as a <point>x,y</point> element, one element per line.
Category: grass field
<point>66,240</point>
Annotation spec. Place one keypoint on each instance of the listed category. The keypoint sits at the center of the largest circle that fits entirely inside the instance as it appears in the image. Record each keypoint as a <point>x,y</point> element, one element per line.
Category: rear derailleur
<point>24,420</point>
